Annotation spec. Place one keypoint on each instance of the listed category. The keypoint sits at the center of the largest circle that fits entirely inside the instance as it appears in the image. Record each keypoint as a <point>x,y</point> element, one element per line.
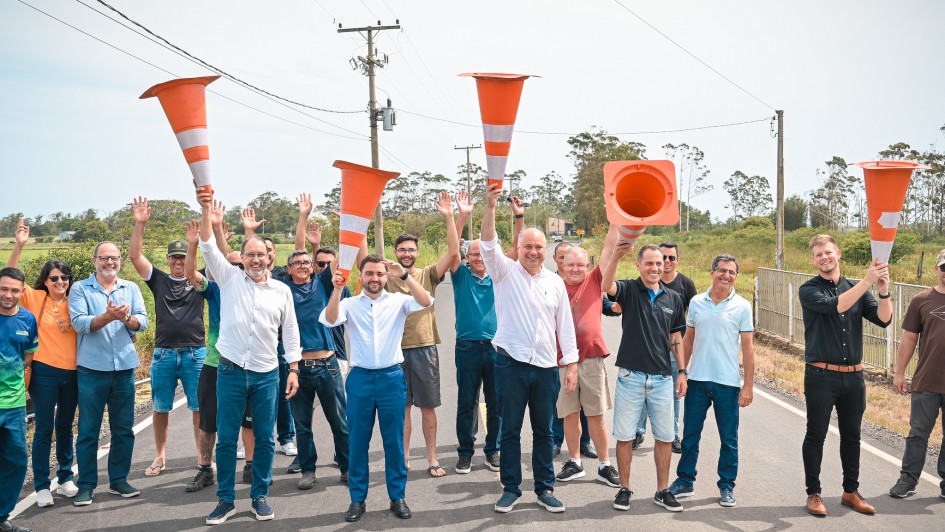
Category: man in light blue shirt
<point>106,312</point>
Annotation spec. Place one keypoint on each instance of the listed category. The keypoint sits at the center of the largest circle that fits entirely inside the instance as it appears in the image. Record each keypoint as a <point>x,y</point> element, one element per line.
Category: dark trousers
<point>12,457</point>
<point>96,390</point>
<point>557,430</point>
<point>723,399</point>
<point>475,369</point>
<point>382,393</point>
<point>824,390</point>
<point>55,395</point>
<point>520,385</point>
<point>324,382</point>
<point>285,424</point>
<point>925,409</point>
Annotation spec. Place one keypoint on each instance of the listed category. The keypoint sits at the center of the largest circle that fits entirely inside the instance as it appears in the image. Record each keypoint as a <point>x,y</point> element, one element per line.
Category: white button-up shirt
<point>251,314</point>
<point>375,327</point>
<point>531,310</point>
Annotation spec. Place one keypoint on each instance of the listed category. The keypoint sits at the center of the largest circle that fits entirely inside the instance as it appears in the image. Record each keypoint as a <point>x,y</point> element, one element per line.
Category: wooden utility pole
<point>369,63</point>
<point>468,182</point>
<point>779,253</point>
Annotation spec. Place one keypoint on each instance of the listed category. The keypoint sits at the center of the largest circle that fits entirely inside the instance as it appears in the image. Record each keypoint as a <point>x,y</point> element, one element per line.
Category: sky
<point>851,76</point>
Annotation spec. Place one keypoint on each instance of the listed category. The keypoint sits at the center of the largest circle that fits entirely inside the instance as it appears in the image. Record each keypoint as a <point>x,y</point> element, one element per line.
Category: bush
<point>800,239</point>
<point>78,257</point>
<point>856,249</point>
<point>756,221</point>
<point>755,236</point>
<point>721,231</point>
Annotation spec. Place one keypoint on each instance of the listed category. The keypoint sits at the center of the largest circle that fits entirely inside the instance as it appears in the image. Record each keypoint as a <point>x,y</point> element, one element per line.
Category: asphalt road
<point>770,488</point>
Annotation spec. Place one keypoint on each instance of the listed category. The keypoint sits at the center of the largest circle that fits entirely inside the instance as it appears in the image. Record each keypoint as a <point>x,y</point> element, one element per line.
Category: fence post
<point>790,310</point>
<point>756,318</point>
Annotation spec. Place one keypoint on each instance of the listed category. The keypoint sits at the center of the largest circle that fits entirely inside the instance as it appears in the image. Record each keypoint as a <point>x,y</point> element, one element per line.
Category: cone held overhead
<point>185,104</point>
<point>361,189</point>
<point>499,96</point>
<point>886,185</point>
<point>638,194</point>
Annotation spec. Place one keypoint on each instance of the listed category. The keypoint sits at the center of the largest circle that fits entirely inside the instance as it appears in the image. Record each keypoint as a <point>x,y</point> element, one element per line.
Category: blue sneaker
<point>550,502</point>
<point>727,498</point>
<point>262,509</point>
<point>221,513</point>
<point>83,497</point>
<point>680,490</point>
<point>506,502</point>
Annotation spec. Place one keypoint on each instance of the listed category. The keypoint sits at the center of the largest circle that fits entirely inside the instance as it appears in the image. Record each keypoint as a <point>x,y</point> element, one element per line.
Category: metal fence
<point>778,311</point>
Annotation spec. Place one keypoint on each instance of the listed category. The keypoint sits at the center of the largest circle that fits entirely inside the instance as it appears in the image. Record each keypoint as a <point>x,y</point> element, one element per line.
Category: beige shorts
<point>592,392</point>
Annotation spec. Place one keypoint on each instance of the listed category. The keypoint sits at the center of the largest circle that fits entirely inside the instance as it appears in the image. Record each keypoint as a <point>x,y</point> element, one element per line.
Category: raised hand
<point>314,234</point>
<point>492,195</point>
<point>248,217</point>
<point>192,232</point>
<point>226,231</point>
<point>444,205</point>
<point>217,212</point>
<point>518,207</point>
<point>140,210</point>
<point>394,268</point>
<point>464,203</point>
<point>22,234</point>
<point>305,204</point>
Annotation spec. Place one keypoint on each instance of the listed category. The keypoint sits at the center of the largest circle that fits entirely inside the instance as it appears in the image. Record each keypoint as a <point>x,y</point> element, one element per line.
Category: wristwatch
<point>293,370</point>
<point>881,296</point>
<point>519,216</point>
<point>404,276</point>
<point>683,372</point>
<point>127,319</point>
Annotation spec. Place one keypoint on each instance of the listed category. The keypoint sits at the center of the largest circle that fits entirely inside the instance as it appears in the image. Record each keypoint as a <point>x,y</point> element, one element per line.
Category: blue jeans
<point>285,424</point>
<point>237,387</point>
<point>724,401</point>
<point>677,405</point>
<point>170,364</point>
<point>520,385</point>
<point>55,395</point>
<point>381,393</point>
<point>326,383</point>
<point>557,430</point>
<point>475,369</point>
<point>12,457</point>
<point>96,390</point>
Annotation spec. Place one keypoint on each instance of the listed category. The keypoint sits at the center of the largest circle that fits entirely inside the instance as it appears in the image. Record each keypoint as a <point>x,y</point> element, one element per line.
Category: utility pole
<point>369,63</point>
<point>468,182</point>
<point>779,254</point>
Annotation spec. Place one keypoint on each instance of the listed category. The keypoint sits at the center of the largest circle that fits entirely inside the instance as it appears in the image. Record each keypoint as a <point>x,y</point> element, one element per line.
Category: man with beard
<point>376,385</point>
<point>106,311</point>
<point>834,309</point>
<point>256,308</point>
<point>421,360</point>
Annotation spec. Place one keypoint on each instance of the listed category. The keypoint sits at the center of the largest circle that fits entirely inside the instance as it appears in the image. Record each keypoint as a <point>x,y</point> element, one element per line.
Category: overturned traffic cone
<point>638,194</point>
<point>185,104</point>
<point>361,189</point>
<point>886,185</point>
<point>499,96</point>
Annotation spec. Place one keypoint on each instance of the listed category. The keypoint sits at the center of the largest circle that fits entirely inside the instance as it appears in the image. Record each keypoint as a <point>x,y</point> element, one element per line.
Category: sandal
<point>436,471</point>
<point>154,469</point>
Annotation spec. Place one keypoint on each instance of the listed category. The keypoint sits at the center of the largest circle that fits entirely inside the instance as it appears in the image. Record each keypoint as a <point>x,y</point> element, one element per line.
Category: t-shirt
<point>475,304</point>
<point>926,316</point>
<point>585,301</point>
<point>685,287</point>
<point>211,293</point>
<point>18,337</point>
<point>310,299</point>
<point>56,335</point>
<point>178,310</point>
<point>648,319</point>
<point>420,329</point>
<point>717,339</point>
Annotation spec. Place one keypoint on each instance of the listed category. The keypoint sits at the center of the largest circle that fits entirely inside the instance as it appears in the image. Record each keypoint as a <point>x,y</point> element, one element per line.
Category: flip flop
<point>154,469</point>
<point>435,469</point>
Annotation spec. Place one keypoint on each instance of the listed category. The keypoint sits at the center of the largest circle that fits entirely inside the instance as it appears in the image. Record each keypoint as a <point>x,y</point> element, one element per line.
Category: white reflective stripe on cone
<point>889,220</point>
<point>353,223</point>
<point>627,238</point>
<point>494,133</point>
<point>193,137</point>
<point>881,250</point>
<point>346,256</point>
<point>201,172</point>
<point>495,166</point>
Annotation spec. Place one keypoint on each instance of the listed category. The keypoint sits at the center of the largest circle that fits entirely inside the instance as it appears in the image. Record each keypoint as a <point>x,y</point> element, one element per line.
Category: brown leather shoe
<point>857,502</point>
<point>815,505</point>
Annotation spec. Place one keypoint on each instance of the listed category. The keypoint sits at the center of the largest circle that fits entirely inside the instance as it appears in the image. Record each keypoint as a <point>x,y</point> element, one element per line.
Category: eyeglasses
<point>407,251</point>
<point>322,263</point>
<point>237,264</point>
<point>733,273</point>
<point>252,256</point>
<point>108,259</point>
<point>55,278</point>
<point>301,264</point>
<point>670,258</point>
<point>474,254</point>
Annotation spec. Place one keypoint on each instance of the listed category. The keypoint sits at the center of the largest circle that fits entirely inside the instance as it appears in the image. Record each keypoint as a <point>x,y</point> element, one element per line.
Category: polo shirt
<point>19,336</point>
<point>420,330</point>
<point>475,304</point>
<point>830,336</point>
<point>109,348</point>
<point>310,299</point>
<point>717,341</point>
<point>585,299</point>
<point>647,323</point>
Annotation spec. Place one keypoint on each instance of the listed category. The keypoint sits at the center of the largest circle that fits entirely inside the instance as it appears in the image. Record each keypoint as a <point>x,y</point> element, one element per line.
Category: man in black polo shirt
<point>834,309</point>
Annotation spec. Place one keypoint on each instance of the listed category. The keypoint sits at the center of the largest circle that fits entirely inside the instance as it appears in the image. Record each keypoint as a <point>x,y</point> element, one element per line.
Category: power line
<point>692,55</point>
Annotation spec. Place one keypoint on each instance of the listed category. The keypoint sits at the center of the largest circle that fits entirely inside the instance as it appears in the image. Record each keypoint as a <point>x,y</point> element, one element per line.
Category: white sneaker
<point>44,498</point>
<point>68,489</point>
<point>289,449</point>
<point>241,453</point>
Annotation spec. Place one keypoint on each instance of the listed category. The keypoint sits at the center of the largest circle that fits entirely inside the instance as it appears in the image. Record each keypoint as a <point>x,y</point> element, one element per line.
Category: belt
<point>317,361</point>
<point>227,362</point>
<point>481,342</point>
<point>834,367</point>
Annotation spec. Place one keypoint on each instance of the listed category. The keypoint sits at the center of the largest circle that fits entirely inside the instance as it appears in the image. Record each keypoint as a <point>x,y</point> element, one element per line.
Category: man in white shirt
<point>532,310</point>
<point>256,306</point>
<point>376,385</point>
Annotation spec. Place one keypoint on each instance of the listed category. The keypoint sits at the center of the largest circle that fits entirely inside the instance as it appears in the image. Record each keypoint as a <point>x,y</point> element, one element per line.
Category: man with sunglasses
<point>179,339</point>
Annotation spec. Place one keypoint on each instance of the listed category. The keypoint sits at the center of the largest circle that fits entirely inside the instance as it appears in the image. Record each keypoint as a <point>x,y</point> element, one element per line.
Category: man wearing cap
<point>924,325</point>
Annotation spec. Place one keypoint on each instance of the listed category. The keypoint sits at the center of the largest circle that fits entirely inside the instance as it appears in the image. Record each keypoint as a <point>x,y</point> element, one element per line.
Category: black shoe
<point>123,489</point>
<point>570,471</point>
<point>492,462</point>
<point>903,488</point>
<point>622,501</point>
<point>667,500</point>
<point>355,511</point>
<point>608,475</point>
<point>7,526</point>
<point>248,473</point>
<point>464,465</point>
<point>203,479</point>
<point>344,477</point>
<point>588,451</point>
<point>294,467</point>
<point>400,509</point>
<point>557,450</point>
<point>637,442</point>
<point>677,446</point>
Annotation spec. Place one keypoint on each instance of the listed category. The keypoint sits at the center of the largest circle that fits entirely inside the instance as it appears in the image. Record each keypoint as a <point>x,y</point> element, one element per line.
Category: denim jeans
<point>170,364</point>
<point>285,424</point>
<point>677,405</point>
<point>724,401</point>
<point>639,393</point>
<point>237,388</point>
<point>12,457</point>
<point>55,395</point>
<point>925,409</point>
<point>520,385</point>
<point>116,389</point>
<point>324,383</point>
<point>824,389</point>
<point>475,369</point>
<point>557,430</point>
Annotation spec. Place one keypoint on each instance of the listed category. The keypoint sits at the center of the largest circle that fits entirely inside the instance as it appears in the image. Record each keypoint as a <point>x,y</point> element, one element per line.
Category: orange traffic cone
<point>499,96</point>
<point>184,103</point>
<point>886,185</point>
<point>361,189</point>
<point>638,194</point>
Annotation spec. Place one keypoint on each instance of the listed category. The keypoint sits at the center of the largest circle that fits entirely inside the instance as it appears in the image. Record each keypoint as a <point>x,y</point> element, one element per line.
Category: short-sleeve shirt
<point>717,341</point>
<point>211,293</point>
<point>18,337</point>
<point>648,320</point>
<point>178,310</point>
<point>585,301</point>
<point>475,304</point>
<point>926,317</point>
<point>685,287</point>
<point>830,336</point>
<point>56,336</point>
<point>420,329</point>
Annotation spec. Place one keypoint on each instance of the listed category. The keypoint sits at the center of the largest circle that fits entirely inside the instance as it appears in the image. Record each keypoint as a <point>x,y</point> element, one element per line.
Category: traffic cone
<point>185,104</point>
<point>886,185</point>
<point>499,96</point>
<point>638,194</point>
<point>361,189</point>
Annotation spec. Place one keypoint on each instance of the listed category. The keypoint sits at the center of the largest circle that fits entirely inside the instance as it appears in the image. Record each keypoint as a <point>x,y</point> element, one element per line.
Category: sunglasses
<point>322,263</point>
<point>670,258</point>
<point>55,278</point>
<point>941,267</point>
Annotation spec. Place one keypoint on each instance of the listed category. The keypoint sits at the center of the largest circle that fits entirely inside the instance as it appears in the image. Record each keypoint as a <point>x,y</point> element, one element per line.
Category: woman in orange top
<point>51,379</point>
